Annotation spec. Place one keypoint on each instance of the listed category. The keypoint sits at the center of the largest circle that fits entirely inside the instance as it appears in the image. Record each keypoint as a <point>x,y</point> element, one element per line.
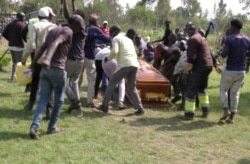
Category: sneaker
<point>29,106</point>
<point>226,114</point>
<point>176,98</point>
<point>139,112</point>
<point>122,106</point>
<point>34,135</point>
<point>103,108</point>
<point>55,130</point>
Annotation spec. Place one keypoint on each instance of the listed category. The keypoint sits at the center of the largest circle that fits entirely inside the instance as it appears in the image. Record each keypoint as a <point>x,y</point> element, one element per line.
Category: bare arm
<point>65,10</point>
<point>73,5</point>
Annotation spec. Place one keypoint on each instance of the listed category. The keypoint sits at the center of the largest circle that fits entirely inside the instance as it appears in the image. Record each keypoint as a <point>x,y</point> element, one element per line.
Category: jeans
<point>50,80</point>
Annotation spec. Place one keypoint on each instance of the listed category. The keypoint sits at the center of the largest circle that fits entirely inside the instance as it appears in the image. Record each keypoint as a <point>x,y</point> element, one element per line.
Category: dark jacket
<point>15,33</point>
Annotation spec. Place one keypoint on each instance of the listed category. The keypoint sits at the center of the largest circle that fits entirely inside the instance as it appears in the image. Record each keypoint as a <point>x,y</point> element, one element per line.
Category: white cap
<point>50,11</point>
<point>43,12</point>
<point>105,22</point>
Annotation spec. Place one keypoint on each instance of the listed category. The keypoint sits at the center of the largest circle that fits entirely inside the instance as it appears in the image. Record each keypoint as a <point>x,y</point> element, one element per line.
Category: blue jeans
<point>50,80</point>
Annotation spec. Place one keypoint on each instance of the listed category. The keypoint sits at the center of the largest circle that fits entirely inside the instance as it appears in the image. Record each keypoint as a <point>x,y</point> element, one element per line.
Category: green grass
<point>158,137</point>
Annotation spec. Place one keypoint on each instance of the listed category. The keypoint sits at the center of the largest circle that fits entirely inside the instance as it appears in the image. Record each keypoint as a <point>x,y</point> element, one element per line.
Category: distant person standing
<point>168,31</point>
<point>15,34</point>
<point>104,27</point>
<point>53,75</point>
<point>235,48</point>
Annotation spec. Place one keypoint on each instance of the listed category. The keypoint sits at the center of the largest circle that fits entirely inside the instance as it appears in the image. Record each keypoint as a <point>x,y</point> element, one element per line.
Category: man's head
<point>76,23</point>
<point>131,34</point>
<point>114,30</point>
<point>43,13</point>
<point>93,18</point>
<point>190,29</point>
<point>51,13</point>
<point>236,25</point>
<point>20,16</point>
<point>105,23</point>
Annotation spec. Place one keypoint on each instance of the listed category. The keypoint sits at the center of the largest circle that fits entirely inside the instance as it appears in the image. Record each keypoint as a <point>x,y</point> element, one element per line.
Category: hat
<point>105,22</point>
<point>50,11</point>
<point>77,19</point>
<point>43,12</point>
<point>93,17</point>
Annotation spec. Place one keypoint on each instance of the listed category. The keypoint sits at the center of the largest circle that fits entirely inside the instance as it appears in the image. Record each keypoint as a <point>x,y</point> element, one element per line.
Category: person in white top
<point>37,35</point>
<point>123,50</point>
<point>109,68</point>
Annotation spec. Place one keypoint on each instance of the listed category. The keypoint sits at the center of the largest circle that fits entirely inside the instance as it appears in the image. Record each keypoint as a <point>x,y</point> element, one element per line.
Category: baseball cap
<point>50,10</point>
<point>93,17</point>
<point>77,19</point>
<point>105,22</point>
<point>43,12</point>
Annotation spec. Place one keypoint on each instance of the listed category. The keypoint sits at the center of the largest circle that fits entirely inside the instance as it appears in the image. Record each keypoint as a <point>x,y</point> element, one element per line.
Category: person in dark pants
<point>199,65</point>
<point>38,33</point>
<point>15,33</point>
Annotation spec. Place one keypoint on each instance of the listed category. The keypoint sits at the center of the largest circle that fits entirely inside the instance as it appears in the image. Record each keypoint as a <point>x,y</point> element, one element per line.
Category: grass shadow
<point>6,136</point>
<point>17,114</point>
<point>244,161</point>
<point>174,123</point>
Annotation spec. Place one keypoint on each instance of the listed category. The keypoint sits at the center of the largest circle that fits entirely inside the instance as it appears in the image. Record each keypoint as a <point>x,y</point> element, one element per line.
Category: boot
<point>205,112</point>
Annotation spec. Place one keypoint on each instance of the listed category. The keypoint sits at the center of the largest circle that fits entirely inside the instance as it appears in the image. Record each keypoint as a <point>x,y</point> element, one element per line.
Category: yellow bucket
<point>24,74</point>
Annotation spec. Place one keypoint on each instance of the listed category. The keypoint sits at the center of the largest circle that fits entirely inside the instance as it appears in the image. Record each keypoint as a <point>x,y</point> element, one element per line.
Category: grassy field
<point>158,137</point>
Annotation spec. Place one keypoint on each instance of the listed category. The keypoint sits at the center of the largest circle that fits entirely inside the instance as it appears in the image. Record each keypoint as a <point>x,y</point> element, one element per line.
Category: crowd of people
<point>61,54</point>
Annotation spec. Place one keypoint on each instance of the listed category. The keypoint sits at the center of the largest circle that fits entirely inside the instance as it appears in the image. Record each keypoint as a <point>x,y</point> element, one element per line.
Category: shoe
<point>176,98</point>
<point>55,130</point>
<point>48,113</point>
<point>91,105</point>
<point>34,135</point>
<point>226,114</point>
<point>122,106</point>
<point>139,112</point>
<point>29,106</point>
<point>74,106</point>
<point>103,108</point>
<point>188,116</point>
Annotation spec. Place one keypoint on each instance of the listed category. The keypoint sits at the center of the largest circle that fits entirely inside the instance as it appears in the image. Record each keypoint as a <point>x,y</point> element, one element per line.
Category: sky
<point>234,5</point>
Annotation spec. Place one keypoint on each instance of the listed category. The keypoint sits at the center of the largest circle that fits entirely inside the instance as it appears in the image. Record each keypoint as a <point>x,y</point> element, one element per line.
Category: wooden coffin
<point>153,87</point>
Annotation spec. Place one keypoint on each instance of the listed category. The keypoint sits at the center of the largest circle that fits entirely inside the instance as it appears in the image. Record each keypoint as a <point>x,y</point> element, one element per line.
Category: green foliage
<point>5,60</point>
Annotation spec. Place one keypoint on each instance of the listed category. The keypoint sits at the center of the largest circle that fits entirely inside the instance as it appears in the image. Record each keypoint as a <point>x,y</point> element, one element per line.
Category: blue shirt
<point>94,33</point>
<point>237,46</point>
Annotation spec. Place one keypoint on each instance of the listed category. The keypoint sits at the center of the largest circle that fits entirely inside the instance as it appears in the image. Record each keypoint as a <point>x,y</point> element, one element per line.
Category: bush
<point>4,61</point>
